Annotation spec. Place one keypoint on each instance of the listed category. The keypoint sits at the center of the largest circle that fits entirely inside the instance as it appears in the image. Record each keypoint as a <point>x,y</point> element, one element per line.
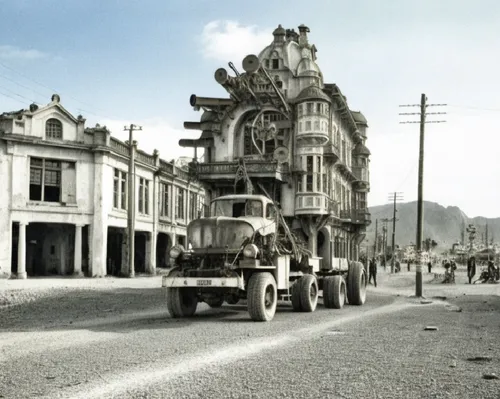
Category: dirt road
<point>116,340</point>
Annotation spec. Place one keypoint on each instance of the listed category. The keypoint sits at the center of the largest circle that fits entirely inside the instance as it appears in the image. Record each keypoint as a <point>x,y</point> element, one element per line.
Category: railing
<point>356,215</point>
<point>145,158</point>
<point>119,146</point>
<point>252,167</point>
<point>166,167</point>
<point>314,203</point>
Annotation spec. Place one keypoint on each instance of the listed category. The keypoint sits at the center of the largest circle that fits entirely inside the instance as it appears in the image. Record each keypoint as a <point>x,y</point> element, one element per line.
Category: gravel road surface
<point>116,340</point>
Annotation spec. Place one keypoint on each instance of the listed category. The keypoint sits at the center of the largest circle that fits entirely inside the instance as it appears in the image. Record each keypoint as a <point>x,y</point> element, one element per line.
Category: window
<point>318,174</point>
<point>179,203</point>
<point>164,199</point>
<point>270,212</point>
<point>309,174</point>
<point>266,63</point>
<point>319,108</point>
<point>276,64</point>
<point>316,126</point>
<point>120,190</point>
<point>45,180</point>
<point>308,126</point>
<point>143,196</point>
<point>193,206</point>
<point>300,109</point>
<point>53,129</point>
<point>310,108</point>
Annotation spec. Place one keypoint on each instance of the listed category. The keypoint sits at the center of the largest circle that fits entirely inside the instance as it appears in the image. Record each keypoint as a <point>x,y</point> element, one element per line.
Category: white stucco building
<point>63,201</point>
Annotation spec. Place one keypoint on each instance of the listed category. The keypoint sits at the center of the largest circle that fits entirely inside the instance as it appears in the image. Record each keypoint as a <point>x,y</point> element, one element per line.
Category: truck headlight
<point>176,251</point>
<point>250,251</point>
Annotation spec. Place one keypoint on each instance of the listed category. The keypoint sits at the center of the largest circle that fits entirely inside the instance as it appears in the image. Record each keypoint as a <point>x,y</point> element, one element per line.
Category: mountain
<point>444,225</point>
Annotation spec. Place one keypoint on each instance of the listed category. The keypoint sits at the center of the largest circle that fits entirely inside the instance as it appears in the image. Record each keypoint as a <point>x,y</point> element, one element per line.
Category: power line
<point>49,88</point>
<point>475,108</point>
<point>19,95</point>
<point>21,85</point>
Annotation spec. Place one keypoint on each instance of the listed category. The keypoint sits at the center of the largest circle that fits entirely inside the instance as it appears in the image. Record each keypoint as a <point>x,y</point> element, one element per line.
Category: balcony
<point>216,171</point>
<point>314,204</point>
<point>356,216</point>
<point>362,176</point>
<point>331,152</point>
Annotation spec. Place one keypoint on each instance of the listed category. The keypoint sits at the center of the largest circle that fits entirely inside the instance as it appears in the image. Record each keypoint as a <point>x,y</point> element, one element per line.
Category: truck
<point>246,250</point>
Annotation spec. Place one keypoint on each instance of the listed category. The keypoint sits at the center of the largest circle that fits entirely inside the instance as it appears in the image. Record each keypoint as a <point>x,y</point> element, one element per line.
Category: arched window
<point>53,129</point>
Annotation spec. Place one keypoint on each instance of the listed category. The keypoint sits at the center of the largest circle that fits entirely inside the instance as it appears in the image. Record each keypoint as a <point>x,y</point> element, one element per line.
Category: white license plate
<point>203,282</point>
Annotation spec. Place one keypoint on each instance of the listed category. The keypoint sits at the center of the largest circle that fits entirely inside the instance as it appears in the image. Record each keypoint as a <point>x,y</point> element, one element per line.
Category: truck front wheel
<point>262,296</point>
<point>334,292</point>
<point>181,302</point>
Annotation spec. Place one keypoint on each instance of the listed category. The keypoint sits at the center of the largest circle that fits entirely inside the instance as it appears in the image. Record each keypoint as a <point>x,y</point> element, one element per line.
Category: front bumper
<point>203,282</point>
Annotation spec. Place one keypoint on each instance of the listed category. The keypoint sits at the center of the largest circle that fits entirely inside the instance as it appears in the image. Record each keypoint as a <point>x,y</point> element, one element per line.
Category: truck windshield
<point>237,207</point>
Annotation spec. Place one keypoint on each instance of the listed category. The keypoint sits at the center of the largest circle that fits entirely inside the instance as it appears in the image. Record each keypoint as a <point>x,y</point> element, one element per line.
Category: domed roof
<point>308,67</point>
<point>312,93</point>
<point>359,117</point>
<point>279,31</point>
<point>361,149</point>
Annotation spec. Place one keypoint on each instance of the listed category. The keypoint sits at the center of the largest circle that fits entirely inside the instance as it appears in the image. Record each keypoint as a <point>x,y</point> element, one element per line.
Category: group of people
<point>492,273</point>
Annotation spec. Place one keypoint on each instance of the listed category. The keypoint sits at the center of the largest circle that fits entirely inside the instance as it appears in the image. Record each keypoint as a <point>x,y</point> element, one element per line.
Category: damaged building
<point>64,198</point>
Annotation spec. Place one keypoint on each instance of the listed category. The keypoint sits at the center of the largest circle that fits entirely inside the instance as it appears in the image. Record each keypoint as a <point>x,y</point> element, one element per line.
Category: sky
<point>130,61</point>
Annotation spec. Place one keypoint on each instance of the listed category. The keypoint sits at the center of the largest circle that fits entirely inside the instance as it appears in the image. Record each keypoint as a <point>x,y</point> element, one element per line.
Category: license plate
<point>203,282</point>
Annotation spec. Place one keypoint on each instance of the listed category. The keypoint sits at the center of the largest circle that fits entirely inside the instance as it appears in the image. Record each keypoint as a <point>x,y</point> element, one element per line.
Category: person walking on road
<point>471,268</point>
<point>409,264</point>
<point>429,266</point>
<point>372,272</point>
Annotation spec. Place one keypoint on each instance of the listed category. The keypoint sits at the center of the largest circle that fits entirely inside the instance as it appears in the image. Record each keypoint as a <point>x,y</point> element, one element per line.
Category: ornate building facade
<point>64,200</point>
<point>286,133</point>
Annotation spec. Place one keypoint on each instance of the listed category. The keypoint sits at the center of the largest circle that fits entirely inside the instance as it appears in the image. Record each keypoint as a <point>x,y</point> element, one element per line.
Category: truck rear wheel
<point>334,292</point>
<point>262,296</point>
<point>308,293</point>
<point>295,296</point>
<point>356,284</point>
<point>181,302</point>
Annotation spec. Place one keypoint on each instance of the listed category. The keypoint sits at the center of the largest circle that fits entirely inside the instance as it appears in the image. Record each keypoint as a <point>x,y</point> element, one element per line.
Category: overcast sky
<point>120,62</point>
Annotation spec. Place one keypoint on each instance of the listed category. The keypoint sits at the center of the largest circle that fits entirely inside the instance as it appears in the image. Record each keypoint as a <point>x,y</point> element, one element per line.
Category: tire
<point>262,296</point>
<point>215,302</point>
<point>338,289</point>
<point>308,293</point>
<point>181,302</point>
<point>295,296</point>
<point>356,284</point>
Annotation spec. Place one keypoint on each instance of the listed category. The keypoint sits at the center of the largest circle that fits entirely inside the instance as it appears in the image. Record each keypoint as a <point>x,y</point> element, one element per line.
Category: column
<point>151,253</point>
<point>78,251</point>
<point>21,252</point>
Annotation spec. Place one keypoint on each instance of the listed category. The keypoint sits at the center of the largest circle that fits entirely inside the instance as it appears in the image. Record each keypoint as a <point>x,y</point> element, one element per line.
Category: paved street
<point>120,342</point>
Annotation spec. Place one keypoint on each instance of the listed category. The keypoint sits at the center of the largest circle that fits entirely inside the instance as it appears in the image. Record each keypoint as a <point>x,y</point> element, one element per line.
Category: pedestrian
<point>409,264</point>
<point>373,272</point>
<point>429,266</point>
<point>471,268</point>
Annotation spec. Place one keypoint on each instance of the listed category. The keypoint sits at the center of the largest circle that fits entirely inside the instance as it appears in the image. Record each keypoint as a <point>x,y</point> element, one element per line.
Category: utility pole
<point>487,245</point>
<point>376,239</point>
<point>130,269</point>
<point>384,231</point>
<point>395,196</point>
<point>420,207</point>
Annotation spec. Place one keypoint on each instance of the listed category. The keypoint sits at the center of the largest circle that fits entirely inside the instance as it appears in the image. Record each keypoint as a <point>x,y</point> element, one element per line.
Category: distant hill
<point>444,225</point>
